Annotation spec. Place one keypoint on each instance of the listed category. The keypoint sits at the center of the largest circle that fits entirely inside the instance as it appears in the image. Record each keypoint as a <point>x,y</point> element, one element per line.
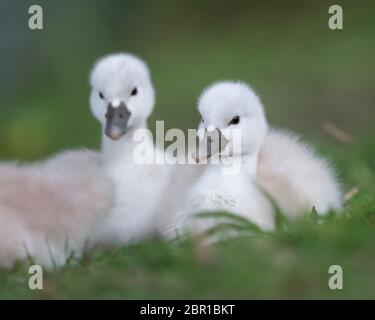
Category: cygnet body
<point>48,210</point>
<point>295,176</point>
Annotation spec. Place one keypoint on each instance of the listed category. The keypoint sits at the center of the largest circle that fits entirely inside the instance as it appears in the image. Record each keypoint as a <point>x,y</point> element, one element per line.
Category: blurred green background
<point>305,73</point>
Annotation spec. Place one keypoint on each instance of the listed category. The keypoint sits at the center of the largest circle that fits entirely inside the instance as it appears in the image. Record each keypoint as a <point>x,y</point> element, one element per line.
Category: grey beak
<point>213,143</point>
<point>117,121</point>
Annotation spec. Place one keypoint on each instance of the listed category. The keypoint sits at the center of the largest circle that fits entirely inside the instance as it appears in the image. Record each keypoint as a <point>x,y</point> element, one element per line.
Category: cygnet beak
<point>117,119</point>
<point>212,143</point>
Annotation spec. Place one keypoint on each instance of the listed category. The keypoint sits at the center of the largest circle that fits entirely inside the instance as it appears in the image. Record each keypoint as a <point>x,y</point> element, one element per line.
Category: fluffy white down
<point>295,176</point>
<point>138,189</point>
<point>214,192</point>
<point>48,210</point>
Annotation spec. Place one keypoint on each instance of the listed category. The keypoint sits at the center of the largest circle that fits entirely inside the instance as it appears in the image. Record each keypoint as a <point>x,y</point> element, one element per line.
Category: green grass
<point>291,262</point>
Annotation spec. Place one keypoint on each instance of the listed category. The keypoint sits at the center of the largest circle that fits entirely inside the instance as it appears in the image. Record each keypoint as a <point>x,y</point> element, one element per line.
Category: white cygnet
<point>122,98</point>
<point>235,127</point>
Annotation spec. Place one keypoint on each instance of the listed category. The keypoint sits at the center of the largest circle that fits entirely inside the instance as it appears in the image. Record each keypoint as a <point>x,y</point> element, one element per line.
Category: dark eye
<point>235,120</point>
<point>101,95</point>
<point>134,92</point>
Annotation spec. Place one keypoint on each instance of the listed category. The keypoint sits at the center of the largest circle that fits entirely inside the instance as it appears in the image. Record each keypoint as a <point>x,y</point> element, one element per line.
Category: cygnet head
<point>122,94</point>
<point>232,110</point>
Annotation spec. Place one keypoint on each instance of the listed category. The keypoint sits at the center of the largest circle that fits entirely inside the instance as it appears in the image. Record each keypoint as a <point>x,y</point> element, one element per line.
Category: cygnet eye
<point>134,92</point>
<point>235,120</point>
<point>101,95</point>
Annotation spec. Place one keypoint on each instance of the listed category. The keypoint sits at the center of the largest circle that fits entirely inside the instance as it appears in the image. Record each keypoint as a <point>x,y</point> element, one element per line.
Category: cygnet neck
<point>125,145</point>
<point>239,164</point>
